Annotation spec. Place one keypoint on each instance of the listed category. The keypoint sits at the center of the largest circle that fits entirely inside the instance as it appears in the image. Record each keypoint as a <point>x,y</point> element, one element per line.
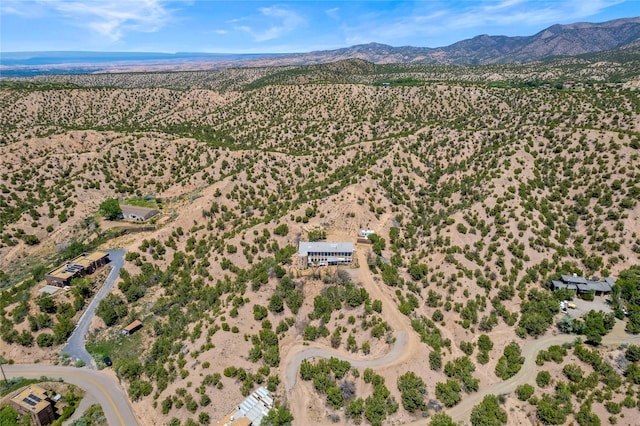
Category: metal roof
<point>583,284</point>
<point>138,211</point>
<point>574,279</point>
<point>326,247</point>
<point>135,324</point>
<point>251,410</point>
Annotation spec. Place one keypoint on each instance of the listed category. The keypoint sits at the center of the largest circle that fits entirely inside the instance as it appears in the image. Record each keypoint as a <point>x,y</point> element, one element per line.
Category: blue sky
<point>279,26</point>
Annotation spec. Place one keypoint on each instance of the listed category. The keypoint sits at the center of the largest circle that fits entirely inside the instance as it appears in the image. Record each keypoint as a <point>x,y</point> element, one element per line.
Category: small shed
<point>364,233</point>
<point>132,328</point>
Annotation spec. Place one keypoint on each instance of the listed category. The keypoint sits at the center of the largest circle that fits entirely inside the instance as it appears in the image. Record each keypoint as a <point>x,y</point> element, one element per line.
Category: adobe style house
<point>33,401</point>
<point>137,213</point>
<point>80,266</point>
<point>324,253</point>
<point>583,285</point>
<point>251,411</point>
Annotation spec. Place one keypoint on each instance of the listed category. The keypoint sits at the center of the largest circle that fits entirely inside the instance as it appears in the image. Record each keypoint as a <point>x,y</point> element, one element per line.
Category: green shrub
<point>524,392</point>
<point>543,378</point>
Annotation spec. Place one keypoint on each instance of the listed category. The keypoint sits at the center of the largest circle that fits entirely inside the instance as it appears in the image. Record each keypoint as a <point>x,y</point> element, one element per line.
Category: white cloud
<point>113,18</point>
<point>10,10</point>
<point>21,8</point>
<point>333,13</point>
<point>286,21</point>
<point>514,13</point>
<point>474,17</point>
<point>502,5</point>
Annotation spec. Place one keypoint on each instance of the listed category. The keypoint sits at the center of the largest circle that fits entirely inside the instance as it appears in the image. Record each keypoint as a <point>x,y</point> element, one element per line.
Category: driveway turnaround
<point>99,387</point>
<point>75,345</point>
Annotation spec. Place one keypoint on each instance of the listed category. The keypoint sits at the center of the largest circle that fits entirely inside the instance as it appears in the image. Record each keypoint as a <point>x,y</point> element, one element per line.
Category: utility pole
<point>2,369</point>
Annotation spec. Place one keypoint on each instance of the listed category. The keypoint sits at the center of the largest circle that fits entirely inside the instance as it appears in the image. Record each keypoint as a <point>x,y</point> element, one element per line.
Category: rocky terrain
<point>481,183</point>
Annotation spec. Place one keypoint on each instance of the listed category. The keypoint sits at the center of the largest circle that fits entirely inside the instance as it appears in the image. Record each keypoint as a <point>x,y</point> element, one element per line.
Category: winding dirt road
<point>407,346</point>
<point>462,411</point>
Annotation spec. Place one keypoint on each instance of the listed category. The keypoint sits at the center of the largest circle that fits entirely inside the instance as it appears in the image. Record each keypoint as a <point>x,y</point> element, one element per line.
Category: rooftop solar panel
<point>29,401</point>
<point>35,398</point>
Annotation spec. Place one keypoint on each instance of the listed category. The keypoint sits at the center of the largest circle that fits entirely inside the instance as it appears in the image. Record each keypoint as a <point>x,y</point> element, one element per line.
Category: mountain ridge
<point>574,39</point>
<point>556,40</point>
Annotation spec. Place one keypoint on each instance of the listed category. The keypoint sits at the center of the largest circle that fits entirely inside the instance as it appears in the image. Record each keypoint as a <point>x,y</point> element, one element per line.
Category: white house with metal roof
<point>325,253</point>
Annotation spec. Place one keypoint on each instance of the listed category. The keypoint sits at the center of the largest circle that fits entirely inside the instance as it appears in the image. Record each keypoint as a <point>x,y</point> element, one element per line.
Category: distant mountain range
<point>557,40</point>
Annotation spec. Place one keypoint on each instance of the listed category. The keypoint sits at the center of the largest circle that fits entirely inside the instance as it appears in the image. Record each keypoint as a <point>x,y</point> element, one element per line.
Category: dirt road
<point>530,349</point>
<point>406,347</point>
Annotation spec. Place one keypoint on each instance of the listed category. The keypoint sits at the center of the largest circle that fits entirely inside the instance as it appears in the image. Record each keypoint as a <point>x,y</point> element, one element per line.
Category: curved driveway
<point>404,346</point>
<point>321,352</point>
<point>99,387</point>
<point>75,345</point>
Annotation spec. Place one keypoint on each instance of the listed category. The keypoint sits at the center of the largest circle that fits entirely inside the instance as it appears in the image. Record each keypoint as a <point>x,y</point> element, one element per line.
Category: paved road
<point>75,345</point>
<point>100,387</point>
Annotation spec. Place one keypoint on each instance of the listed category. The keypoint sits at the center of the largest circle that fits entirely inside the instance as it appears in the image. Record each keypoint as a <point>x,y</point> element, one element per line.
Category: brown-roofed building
<point>33,401</point>
<point>137,213</point>
<point>132,328</point>
<point>82,265</point>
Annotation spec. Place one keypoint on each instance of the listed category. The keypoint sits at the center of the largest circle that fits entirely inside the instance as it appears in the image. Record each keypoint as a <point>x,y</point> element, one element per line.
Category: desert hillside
<point>482,184</point>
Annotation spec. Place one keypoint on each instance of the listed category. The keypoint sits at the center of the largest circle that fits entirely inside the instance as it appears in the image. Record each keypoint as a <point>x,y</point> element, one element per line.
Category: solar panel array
<point>73,268</point>
<point>31,400</point>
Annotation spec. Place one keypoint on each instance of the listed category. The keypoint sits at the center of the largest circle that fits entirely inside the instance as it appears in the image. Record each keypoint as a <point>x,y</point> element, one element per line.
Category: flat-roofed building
<point>251,411</point>
<point>80,266</point>
<point>583,285</point>
<point>33,401</point>
<point>325,253</point>
<point>137,213</point>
